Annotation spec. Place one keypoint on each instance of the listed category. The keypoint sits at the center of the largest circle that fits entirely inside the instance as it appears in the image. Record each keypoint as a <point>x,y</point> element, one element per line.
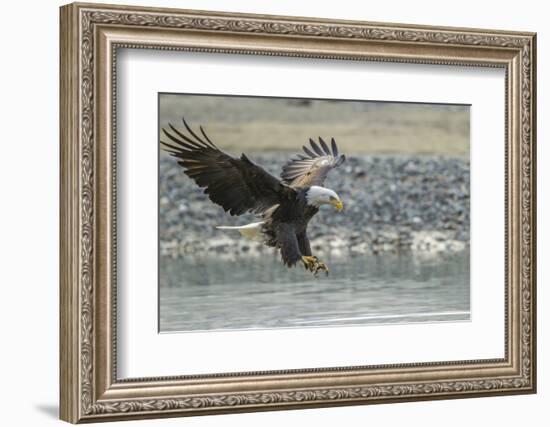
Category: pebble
<point>414,203</point>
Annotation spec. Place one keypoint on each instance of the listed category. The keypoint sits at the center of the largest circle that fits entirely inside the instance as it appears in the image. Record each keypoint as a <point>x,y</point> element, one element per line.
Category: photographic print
<point>282,212</point>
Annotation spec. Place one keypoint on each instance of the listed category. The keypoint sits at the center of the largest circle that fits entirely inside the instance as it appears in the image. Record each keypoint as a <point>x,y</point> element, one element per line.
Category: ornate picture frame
<point>90,37</point>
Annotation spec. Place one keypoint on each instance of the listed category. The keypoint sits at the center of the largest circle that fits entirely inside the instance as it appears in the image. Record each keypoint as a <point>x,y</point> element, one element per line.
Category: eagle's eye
<point>331,198</point>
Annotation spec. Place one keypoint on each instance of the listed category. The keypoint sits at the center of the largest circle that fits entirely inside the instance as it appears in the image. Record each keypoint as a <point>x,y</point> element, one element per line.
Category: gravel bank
<point>392,203</point>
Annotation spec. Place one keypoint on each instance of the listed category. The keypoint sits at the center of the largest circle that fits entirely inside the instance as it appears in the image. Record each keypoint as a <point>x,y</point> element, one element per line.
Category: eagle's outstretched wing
<point>237,185</point>
<point>312,169</point>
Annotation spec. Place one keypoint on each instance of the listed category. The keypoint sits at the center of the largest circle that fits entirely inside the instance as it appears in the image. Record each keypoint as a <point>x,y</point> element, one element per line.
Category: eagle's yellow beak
<point>337,204</point>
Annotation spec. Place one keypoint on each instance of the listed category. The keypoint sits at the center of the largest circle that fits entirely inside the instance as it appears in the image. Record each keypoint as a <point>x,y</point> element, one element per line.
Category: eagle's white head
<point>317,196</point>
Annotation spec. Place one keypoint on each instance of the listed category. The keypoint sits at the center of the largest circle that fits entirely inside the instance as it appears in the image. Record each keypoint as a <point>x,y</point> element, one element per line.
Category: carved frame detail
<point>81,397</point>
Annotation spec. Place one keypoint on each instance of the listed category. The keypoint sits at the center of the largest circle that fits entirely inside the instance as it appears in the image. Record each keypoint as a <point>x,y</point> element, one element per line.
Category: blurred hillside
<point>238,124</point>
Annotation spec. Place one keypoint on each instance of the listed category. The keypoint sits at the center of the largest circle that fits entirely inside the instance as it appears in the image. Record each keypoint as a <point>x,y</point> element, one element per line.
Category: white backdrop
<point>143,352</point>
<point>29,215</point>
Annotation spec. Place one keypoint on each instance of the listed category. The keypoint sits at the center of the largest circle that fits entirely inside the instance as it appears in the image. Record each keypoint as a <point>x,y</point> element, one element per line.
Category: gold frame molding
<point>90,37</point>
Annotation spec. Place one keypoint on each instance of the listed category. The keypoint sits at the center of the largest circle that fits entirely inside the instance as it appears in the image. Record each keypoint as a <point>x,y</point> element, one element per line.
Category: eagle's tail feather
<point>252,231</point>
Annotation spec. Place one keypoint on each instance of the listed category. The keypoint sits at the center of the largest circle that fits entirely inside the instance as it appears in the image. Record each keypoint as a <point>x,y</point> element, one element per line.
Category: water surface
<point>208,293</point>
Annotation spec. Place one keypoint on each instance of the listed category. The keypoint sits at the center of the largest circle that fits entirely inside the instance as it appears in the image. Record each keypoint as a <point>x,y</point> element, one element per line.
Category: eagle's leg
<point>288,244</point>
<point>311,262</point>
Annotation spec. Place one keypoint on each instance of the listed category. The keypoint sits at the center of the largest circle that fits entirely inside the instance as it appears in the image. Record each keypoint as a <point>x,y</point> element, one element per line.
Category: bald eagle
<point>284,206</point>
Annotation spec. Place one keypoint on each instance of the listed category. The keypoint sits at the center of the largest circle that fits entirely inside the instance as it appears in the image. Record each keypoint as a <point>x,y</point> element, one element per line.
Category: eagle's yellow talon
<point>309,263</point>
<point>313,264</point>
<point>323,266</point>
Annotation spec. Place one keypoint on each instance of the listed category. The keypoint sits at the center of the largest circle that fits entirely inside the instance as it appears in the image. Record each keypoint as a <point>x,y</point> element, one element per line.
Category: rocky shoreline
<point>392,203</point>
